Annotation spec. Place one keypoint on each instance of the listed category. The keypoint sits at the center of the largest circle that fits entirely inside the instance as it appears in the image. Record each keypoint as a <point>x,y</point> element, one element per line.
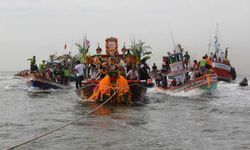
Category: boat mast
<point>172,37</point>
<point>217,30</point>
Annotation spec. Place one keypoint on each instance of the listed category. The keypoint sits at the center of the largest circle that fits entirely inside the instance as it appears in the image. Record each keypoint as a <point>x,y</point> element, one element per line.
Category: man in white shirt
<point>79,70</point>
<point>191,74</point>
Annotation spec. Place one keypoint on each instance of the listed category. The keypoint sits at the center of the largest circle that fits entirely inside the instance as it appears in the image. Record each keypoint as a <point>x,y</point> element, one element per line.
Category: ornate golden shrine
<point>112,46</point>
<point>111,54</point>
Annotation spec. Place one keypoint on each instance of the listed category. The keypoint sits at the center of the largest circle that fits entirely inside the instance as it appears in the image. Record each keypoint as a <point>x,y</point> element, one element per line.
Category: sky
<point>43,27</point>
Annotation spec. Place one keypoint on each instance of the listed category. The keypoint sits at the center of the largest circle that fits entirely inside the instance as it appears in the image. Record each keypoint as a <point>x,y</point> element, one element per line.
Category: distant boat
<point>243,82</point>
<point>23,73</point>
<point>220,62</point>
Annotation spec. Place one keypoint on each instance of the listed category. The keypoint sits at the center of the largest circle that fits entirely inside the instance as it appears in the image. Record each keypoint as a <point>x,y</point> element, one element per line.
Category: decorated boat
<point>111,82</point>
<point>176,78</point>
<point>220,62</point>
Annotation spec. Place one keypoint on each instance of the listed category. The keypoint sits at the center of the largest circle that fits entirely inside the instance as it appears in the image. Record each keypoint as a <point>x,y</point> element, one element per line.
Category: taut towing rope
<point>63,126</point>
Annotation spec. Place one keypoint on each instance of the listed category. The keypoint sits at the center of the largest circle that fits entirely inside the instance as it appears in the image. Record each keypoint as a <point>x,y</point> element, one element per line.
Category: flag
<point>86,43</point>
<point>65,46</point>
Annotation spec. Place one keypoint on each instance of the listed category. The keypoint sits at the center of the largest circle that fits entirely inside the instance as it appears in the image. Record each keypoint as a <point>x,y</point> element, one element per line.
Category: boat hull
<point>224,72</point>
<point>137,91</point>
<point>46,84</point>
<point>198,83</point>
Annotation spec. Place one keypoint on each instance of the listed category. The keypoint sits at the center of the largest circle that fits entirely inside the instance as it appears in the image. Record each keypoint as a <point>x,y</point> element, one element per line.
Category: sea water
<point>195,121</point>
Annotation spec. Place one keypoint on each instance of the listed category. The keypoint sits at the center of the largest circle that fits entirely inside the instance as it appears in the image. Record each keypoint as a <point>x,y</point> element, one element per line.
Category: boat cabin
<point>173,67</point>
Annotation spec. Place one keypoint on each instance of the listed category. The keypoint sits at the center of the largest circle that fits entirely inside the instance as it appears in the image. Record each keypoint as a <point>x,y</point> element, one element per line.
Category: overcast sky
<point>42,27</point>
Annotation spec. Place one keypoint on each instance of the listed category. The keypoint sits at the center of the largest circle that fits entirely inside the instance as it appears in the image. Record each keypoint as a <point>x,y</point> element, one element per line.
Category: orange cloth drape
<point>122,85</point>
<point>103,88</point>
<point>208,80</point>
<point>209,62</point>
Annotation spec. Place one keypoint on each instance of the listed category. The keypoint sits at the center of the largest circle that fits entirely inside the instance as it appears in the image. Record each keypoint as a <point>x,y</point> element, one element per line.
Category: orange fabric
<point>122,85</point>
<point>208,80</point>
<point>209,62</point>
<point>103,88</point>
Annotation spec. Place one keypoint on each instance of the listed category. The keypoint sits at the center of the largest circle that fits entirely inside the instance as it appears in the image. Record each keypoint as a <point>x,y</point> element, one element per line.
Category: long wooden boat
<point>136,93</point>
<point>46,84</point>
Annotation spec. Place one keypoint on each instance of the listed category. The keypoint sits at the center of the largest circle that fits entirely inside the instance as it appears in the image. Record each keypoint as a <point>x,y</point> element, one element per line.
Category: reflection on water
<point>38,95</point>
<point>102,111</point>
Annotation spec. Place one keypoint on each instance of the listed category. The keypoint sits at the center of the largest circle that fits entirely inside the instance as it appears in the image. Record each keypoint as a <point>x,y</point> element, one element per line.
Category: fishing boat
<point>176,78</point>
<point>113,85</point>
<point>220,62</point>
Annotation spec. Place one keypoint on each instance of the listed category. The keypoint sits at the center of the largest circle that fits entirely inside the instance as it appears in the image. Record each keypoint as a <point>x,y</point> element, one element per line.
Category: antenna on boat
<point>217,30</point>
<point>171,33</point>
<point>209,41</point>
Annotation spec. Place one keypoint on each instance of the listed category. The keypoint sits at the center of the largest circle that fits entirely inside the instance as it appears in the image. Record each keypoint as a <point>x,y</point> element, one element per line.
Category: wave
<point>191,94</point>
<point>13,83</point>
<point>6,77</point>
<point>38,90</point>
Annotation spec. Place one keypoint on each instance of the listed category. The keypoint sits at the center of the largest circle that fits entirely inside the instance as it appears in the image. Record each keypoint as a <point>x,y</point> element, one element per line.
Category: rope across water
<point>63,126</point>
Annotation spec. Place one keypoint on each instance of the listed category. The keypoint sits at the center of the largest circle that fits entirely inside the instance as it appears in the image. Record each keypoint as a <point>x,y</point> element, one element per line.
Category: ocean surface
<point>188,121</point>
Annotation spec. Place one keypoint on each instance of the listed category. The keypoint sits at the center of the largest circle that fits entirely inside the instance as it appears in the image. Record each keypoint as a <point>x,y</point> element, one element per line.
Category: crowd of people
<point>113,67</point>
<point>53,71</point>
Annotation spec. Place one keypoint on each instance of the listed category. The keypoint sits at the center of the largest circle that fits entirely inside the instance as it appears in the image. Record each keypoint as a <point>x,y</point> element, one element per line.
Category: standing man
<point>33,66</point>
<point>42,68</point>
<point>186,60</point>
<point>79,74</point>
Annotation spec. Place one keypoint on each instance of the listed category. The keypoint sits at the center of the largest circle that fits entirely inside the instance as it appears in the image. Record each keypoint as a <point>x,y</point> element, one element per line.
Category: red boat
<point>220,62</point>
<point>225,72</point>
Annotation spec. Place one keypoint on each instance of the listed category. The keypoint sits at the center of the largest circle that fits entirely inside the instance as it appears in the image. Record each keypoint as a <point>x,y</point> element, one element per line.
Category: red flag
<point>65,46</point>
